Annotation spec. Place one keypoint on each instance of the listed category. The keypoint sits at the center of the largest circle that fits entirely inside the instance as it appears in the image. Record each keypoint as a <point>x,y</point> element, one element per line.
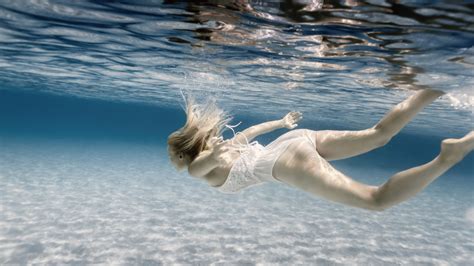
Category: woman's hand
<point>220,150</point>
<point>290,120</point>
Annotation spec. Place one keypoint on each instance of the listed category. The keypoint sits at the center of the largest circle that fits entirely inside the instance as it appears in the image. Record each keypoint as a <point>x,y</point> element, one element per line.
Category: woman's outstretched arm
<point>289,121</point>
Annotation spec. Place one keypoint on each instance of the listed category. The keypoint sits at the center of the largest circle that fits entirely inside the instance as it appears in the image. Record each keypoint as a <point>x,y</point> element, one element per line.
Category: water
<point>89,91</point>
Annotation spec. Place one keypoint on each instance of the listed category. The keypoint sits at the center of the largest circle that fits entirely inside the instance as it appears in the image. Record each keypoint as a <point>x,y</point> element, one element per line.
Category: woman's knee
<point>377,200</point>
<point>381,135</point>
<point>367,197</point>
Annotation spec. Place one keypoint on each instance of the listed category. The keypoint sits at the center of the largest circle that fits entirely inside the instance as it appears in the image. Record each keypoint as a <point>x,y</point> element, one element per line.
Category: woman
<point>300,157</point>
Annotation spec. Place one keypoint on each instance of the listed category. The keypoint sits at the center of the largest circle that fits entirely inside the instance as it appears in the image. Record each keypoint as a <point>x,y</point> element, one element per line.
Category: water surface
<point>89,91</point>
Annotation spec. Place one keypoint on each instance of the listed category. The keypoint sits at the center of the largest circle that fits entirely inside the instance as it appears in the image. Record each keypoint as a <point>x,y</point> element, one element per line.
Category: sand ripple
<point>115,204</point>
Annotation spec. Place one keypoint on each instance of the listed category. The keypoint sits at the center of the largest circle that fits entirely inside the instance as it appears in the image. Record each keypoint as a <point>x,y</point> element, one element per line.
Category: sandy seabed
<point>117,203</point>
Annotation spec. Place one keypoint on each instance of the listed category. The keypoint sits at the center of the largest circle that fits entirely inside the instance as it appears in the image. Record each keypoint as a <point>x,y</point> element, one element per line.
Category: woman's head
<point>202,123</point>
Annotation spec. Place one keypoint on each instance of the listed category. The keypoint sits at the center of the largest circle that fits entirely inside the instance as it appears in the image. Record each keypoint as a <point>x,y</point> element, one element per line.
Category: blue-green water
<point>90,90</point>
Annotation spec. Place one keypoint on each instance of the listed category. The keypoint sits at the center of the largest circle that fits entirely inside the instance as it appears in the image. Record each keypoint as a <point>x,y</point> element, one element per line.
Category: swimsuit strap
<point>240,146</point>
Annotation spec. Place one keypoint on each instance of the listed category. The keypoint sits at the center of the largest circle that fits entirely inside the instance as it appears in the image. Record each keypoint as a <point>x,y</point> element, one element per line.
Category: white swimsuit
<point>255,164</point>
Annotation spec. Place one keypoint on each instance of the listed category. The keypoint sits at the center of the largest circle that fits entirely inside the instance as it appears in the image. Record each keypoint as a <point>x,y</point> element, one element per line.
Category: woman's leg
<point>408,183</point>
<point>304,169</point>
<point>335,145</point>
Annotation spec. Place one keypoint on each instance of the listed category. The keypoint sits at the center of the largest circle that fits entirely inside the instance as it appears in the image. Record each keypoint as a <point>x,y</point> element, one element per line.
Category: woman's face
<point>178,160</point>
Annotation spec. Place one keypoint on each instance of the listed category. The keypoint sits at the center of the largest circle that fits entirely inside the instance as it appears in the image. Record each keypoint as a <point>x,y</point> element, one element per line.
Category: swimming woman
<point>300,157</point>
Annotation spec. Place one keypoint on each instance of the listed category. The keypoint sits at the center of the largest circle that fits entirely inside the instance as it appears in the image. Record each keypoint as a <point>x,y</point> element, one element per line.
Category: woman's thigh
<point>302,167</point>
<point>335,144</point>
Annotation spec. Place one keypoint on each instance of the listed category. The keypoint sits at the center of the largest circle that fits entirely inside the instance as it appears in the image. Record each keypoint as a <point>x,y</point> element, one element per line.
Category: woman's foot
<point>429,95</point>
<point>454,150</point>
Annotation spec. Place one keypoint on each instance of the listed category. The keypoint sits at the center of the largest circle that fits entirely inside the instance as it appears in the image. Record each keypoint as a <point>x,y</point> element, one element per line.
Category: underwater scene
<point>90,91</point>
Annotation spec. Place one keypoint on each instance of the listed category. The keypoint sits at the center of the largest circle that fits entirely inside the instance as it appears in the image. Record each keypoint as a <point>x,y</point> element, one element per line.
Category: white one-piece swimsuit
<point>255,164</point>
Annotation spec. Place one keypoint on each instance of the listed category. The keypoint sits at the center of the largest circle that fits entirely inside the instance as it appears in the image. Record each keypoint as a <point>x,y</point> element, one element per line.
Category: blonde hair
<point>203,121</point>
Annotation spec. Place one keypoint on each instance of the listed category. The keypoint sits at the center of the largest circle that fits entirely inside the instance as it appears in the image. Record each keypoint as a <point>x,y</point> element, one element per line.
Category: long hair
<point>203,121</point>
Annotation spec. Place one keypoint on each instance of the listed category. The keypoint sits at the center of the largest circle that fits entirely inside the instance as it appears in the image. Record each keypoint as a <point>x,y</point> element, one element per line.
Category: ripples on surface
<point>146,50</point>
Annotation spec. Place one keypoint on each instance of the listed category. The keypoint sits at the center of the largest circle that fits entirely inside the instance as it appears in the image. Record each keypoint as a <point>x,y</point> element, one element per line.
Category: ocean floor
<point>88,202</point>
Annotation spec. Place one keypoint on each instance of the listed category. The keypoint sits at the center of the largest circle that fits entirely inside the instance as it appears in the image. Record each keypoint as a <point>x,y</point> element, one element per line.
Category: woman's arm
<point>289,121</point>
<point>208,160</point>
<point>203,164</point>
